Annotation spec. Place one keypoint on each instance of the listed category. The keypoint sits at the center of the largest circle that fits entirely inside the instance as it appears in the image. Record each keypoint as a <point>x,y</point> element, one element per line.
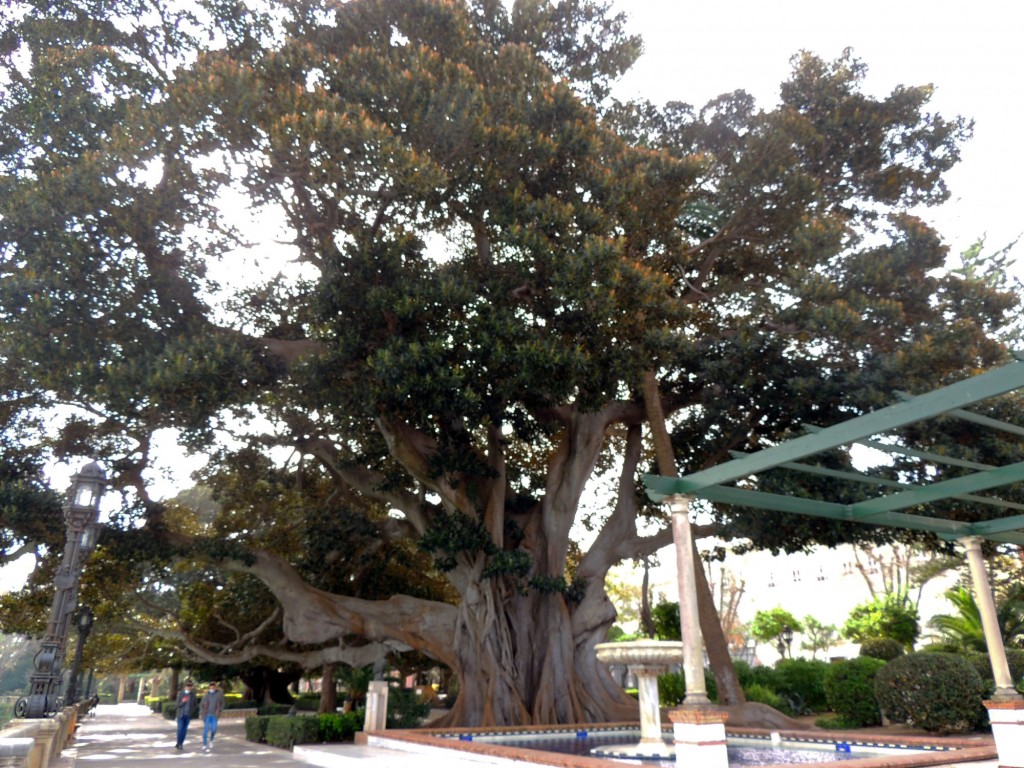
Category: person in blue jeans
<point>209,709</point>
<point>186,704</point>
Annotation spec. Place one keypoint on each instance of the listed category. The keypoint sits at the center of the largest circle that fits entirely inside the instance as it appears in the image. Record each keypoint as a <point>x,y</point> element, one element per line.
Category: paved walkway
<point>130,736</point>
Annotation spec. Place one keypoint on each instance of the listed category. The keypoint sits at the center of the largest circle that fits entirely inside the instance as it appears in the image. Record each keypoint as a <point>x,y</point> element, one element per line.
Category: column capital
<point>678,503</point>
<point>970,542</point>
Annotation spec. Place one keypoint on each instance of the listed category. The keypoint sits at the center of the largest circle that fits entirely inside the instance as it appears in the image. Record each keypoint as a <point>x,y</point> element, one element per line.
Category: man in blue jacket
<point>186,705</point>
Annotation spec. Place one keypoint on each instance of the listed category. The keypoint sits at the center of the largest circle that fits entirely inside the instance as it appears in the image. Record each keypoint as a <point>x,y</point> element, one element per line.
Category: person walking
<point>186,705</point>
<point>209,709</point>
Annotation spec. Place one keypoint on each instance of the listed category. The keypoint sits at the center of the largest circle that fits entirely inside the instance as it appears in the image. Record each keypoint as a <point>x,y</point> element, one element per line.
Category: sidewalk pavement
<point>130,736</point>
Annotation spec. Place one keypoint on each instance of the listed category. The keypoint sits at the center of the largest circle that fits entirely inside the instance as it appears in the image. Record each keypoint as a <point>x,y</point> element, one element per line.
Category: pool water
<point>741,751</point>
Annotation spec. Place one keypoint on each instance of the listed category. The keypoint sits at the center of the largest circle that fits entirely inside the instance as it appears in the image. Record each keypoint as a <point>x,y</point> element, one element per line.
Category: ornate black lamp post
<point>84,625</point>
<point>785,644</point>
<point>80,514</point>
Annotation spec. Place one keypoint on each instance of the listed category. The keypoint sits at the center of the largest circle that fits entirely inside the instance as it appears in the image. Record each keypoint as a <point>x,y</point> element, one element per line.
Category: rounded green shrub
<point>1014,659</point>
<point>762,695</point>
<point>802,682</point>
<point>850,690</point>
<point>940,692</point>
<point>884,648</point>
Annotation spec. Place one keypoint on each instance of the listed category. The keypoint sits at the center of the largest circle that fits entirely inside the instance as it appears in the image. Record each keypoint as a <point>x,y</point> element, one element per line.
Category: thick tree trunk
<point>532,668</point>
<point>328,690</point>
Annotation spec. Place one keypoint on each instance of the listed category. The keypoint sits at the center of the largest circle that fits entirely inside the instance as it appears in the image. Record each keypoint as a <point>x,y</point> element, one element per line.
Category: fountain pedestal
<point>646,659</point>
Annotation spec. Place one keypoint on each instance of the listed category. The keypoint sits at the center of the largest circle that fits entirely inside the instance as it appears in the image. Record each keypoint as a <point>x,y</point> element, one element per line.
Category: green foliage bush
<point>940,692</point>
<point>405,708</point>
<point>169,709</point>
<point>256,729</point>
<point>835,723</point>
<point>983,665</point>
<point>156,703</point>
<point>335,727</point>
<point>743,671</point>
<point>284,731</point>
<point>672,688</point>
<point>884,648</point>
<point>274,709</point>
<point>307,702</point>
<point>763,695</point>
<point>763,676</point>
<point>892,615</point>
<point>850,690</point>
<point>802,682</point>
<point>239,703</point>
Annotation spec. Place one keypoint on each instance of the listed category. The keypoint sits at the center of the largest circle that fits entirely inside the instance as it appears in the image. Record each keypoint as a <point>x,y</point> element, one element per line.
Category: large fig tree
<point>482,257</point>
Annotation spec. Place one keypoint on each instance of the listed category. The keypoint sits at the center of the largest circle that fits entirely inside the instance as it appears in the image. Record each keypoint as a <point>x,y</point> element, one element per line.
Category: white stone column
<point>689,616</point>
<point>376,718</point>
<point>989,622</point>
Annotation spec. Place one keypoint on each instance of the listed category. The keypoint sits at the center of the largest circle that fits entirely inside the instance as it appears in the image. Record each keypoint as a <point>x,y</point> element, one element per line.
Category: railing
<point>34,743</point>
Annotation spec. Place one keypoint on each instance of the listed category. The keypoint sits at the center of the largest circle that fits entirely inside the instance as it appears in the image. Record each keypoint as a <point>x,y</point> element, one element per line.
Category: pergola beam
<point>939,401</point>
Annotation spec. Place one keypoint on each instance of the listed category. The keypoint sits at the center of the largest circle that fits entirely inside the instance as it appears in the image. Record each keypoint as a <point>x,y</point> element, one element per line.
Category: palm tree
<point>963,630</point>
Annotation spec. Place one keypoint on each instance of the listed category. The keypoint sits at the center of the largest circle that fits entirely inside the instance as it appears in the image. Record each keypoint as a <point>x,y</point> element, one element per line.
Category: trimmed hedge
<point>239,703</point>
<point>274,709</point>
<point>850,690</point>
<point>884,648</point>
<point>156,703</point>
<point>940,692</point>
<point>256,729</point>
<point>285,732</point>
<point>337,727</point>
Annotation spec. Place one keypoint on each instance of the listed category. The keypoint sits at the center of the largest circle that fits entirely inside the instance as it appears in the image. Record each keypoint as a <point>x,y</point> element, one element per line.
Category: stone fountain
<point>646,659</point>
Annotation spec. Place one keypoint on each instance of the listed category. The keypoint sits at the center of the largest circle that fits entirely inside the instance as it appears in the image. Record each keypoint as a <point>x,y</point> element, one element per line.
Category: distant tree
<point>818,636</point>
<point>666,621</point>
<point>769,626</point>
<point>16,654</point>
<point>891,615</point>
<point>897,568</point>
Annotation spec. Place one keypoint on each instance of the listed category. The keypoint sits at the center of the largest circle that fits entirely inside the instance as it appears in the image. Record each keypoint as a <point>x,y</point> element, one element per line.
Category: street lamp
<point>81,513</point>
<point>785,644</point>
<point>84,626</point>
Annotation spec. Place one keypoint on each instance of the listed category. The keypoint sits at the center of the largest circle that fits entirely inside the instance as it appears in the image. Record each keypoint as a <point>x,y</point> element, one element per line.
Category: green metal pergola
<point>898,504</point>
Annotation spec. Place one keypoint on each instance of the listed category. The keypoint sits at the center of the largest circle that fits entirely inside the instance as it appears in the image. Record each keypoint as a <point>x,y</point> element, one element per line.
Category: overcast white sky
<point>972,53</point>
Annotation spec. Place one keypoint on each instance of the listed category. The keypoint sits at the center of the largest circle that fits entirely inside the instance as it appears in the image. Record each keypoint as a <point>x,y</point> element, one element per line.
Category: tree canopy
<point>484,255</point>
